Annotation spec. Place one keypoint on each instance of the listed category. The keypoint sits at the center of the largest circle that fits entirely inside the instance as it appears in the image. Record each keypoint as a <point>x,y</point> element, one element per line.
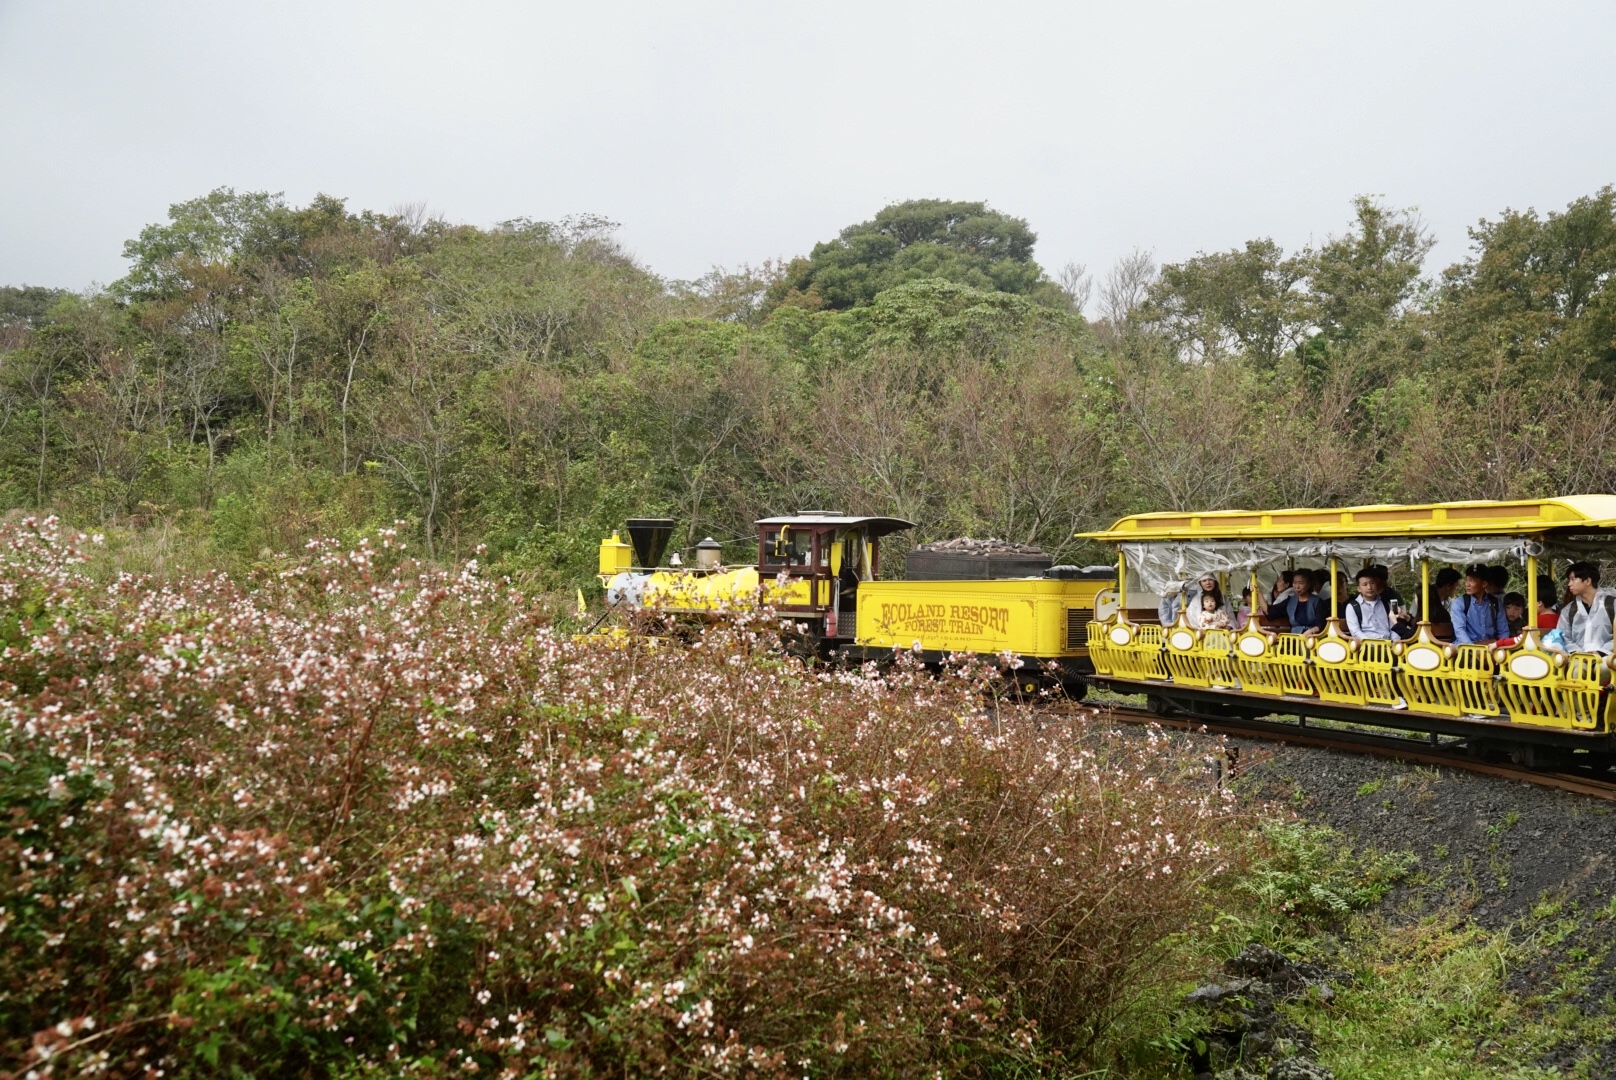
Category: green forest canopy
<point>267,372</point>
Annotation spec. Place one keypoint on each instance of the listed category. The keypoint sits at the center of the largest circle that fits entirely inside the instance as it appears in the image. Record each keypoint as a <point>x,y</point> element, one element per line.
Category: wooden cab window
<point>795,548</point>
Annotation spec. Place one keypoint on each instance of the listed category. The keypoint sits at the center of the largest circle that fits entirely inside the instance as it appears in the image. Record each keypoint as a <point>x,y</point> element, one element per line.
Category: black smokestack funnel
<point>649,537</point>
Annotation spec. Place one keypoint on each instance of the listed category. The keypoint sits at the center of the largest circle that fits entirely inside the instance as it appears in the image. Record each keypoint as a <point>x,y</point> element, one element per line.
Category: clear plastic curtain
<point>1163,567</point>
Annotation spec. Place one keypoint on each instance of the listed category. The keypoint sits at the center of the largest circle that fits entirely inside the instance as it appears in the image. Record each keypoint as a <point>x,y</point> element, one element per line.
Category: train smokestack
<point>650,538</point>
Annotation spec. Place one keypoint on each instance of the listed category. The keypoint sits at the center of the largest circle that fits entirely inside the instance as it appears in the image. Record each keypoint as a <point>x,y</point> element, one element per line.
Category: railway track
<point>1453,754</point>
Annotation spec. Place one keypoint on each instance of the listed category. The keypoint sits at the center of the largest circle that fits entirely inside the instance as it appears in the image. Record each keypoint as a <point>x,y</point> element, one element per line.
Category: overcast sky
<point>726,133</point>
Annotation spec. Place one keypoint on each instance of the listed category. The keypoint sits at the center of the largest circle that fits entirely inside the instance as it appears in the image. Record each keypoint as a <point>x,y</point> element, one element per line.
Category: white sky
<point>725,133</point>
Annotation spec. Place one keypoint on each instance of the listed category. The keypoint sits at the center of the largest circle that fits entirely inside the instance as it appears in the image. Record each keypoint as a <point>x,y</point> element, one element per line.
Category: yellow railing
<point>1100,649</point>
<point>1527,684</point>
<point>1273,663</point>
<point>1218,647</point>
<point>1200,657</point>
<point>1355,672</point>
<point>1541,687</point>
<point>1376,662</point>
<point>1136,651</point>
<point>1334,673</point>
<point>1183,657</point>
<point>1450,680</point>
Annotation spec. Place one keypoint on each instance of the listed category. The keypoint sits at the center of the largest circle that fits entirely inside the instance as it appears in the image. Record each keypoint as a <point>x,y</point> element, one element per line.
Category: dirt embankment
<point>1530,865</point>
<point>1500,847</point>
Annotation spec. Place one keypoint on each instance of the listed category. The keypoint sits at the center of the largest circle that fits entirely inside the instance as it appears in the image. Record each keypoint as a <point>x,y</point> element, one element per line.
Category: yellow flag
<point>583,608</point>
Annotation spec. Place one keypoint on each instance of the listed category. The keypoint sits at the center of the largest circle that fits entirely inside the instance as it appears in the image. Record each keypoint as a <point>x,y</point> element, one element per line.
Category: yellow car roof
<point>1574,513</point>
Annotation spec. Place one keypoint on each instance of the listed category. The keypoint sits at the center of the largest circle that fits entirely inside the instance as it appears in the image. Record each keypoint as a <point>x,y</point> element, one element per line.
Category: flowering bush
<point>362,816</point>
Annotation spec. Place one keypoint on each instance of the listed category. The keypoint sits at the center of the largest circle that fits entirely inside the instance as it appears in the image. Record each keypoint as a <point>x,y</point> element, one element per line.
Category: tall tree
<point>1248,300</point>
<point>1360,280</point>
<point>1539,296</point>
<point>964,242</point>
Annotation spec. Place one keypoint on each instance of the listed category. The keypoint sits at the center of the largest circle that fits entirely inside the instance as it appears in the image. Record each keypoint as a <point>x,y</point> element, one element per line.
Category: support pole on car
<point>1335,589</point>
<point>1425,589</point>
<point>1531,595</point>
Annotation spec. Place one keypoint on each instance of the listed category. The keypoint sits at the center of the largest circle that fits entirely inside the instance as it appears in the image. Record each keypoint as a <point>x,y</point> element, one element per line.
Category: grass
<point>1439,996</point>
<point>1510,820</point>
<point>1434,999</point>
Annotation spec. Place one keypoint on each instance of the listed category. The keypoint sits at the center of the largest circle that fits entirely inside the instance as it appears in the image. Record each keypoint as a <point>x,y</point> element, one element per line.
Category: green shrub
<point>1310,873</point>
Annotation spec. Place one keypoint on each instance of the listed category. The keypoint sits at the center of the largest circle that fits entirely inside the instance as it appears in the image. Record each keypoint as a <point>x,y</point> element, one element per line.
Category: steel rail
<point>1362,743</point>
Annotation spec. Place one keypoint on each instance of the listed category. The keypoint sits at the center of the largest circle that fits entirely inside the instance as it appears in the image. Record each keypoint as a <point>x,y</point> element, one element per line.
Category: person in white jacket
<point>1586,620</point>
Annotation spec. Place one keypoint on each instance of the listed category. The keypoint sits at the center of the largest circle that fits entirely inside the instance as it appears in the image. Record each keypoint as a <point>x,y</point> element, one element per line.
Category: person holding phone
<point>1370,615</point>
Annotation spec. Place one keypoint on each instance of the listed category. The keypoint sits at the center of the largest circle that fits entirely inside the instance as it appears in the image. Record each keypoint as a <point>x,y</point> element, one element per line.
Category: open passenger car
<point>1525,695</point>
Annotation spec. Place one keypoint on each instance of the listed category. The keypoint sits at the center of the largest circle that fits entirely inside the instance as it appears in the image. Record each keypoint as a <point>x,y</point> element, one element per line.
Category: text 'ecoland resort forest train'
<point>1218,614</point>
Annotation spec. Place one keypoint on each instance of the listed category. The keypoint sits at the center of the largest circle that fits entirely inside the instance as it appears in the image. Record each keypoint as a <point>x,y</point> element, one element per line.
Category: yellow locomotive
<point>821,570</point>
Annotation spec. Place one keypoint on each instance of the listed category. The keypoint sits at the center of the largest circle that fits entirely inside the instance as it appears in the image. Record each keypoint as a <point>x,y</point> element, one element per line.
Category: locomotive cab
<point>821,559</point>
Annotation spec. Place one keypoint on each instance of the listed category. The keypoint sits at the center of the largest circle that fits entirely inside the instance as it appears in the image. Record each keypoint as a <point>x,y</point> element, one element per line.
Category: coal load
<point>966,559</point>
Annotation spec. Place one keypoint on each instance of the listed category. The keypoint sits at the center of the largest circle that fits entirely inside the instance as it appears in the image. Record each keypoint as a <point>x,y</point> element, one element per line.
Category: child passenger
<point>1214,613</point>
<point>1514,613</point>
<point>1547,613</point>
<point>1243,616</point>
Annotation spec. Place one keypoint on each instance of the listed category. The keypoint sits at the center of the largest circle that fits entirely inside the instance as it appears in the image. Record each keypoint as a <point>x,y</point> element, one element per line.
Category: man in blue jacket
<point>1478,615</point>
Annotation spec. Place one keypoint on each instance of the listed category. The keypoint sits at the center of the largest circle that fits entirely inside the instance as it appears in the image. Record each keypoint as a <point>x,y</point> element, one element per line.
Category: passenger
<point>1478,616</point>
<point>1305,611</point>
<point>1546,617</point>
<point>1498,581</point>
<point>1284,590</point>
<point>1547,610</point>
<point>1328,589</point>
<point>1514,613</point>
<point>1280,591</point>
<point>1586,621</point>
<point>1213,615</point>
<point>1321,583</point>
<point>1186,599</point>
<point>1387,590</point>
<point>1434,605</point>
<point>1243,615</point>
<point>1369,614</point>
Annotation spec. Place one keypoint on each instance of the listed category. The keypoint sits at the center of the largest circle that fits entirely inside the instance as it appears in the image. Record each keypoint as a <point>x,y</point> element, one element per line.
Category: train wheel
<point>1018,686</point>
<point>1159,705</point>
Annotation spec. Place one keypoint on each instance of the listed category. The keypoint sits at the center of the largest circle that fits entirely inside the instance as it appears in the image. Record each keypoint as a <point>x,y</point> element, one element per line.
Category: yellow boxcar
<point>1046,618</point>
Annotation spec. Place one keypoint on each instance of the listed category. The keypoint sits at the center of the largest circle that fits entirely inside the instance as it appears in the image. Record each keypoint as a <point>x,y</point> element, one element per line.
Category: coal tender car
<point>1003,602</point>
